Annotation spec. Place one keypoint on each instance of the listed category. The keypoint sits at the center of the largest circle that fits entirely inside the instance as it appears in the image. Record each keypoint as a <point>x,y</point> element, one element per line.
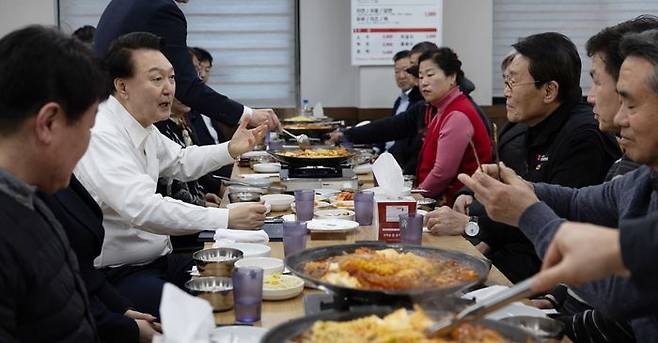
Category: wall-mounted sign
<point>380,28</point>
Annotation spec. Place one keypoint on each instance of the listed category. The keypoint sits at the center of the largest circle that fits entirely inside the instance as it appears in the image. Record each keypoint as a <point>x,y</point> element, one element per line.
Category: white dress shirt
<point>404,104</point>
<point>121,169</point>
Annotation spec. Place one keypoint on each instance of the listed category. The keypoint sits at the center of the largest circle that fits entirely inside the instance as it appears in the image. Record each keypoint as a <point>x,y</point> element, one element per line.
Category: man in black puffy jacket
<point>46,114</point>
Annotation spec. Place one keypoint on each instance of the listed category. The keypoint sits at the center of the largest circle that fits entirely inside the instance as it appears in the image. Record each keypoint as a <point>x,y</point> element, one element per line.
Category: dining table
<point>277,312</point>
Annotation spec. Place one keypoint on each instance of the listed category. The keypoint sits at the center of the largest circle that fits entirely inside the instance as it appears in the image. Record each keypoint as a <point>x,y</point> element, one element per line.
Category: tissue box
<point>386,217</point>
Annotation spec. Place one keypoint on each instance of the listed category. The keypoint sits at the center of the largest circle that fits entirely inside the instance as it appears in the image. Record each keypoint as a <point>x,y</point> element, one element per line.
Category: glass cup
<point>304,204</point>
<point>411,228</point>
<point>294,237</point>
<point>247,293</point>
<point>363,206</point>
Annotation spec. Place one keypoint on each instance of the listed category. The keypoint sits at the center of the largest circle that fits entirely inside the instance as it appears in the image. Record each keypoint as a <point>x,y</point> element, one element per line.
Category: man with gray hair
<point>538,209</point>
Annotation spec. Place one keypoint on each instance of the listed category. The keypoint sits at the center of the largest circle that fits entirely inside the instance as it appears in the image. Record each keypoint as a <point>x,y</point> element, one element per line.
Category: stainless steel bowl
<point>546,329</point>
<point>216,261</point>
<point>218,291</point>
<point>244,197</point>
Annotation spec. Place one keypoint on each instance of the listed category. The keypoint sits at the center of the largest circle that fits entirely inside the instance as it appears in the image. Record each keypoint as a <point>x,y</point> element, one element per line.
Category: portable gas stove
<point>340,177</point>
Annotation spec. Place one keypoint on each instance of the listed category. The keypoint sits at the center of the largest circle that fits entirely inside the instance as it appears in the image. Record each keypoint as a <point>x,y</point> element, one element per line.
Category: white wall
<point>326,72</point>
<point>15,14</point>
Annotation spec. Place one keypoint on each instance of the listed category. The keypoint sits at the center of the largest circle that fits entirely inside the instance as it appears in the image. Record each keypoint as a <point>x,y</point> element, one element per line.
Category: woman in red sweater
<point>452,125</point>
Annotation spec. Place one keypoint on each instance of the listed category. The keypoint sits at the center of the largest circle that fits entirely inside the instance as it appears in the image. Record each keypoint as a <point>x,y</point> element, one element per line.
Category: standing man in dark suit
<point>165,19</point>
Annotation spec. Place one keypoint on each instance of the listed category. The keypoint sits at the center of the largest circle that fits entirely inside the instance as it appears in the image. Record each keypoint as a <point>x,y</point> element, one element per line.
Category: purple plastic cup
<point>411,228</point>
<point>363,206</point>
<point>247,293</point>
<point>294,237</point>
<point>304,205</point>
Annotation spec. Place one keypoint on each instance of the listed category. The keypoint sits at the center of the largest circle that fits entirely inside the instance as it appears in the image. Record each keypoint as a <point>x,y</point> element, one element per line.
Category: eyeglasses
<point>511,83</point>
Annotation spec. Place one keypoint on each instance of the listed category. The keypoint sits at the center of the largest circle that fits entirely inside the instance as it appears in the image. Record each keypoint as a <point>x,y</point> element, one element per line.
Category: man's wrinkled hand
<point>504,200</point>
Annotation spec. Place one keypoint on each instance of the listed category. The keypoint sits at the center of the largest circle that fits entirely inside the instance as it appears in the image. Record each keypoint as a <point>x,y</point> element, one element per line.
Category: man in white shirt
<point>126,156</point>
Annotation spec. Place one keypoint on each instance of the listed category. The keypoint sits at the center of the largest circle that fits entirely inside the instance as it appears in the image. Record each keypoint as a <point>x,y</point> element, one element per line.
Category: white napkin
<point>318,111</point>
<point>388,173</point>
<point>185,318</point>
<point>242,236</point>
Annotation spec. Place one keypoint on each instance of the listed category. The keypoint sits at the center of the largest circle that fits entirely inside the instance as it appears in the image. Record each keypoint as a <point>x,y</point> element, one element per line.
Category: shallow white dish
<point>248,249</point>
<point>279,202</point>
<point>317,204</point>
<point>335,214</point>
<point>341,203</point>
<point>238,334</point>
<point>273,167</point>
<point>331,225</point>
<point>256,153</point>
<point>513,309</point>
<point>325,193</point>
<point>240,204</point>
<point>258,176</point>
<point>362,169</point>
<point>296,287</point>
<point>270,265</point>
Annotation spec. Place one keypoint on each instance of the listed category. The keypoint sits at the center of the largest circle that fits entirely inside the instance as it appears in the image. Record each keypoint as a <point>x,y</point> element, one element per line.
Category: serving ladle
<point>302,140</point>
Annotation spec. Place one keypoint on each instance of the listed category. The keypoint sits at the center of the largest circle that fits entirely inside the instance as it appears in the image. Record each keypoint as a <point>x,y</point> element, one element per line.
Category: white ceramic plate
<point>335,214</point>
<point>273,167</point>
<point>248,249</point>
<point>270,265</point>
<point>297,287</point>
<point>331,225</point>
<point>239,204</point>
<point>362,169</point>
<point>238,334</point>
<point>513,309</point>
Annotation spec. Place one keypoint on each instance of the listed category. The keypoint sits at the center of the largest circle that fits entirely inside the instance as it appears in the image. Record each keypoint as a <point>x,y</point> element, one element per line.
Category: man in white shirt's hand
<point>248,217</point>
<point>244,139</point>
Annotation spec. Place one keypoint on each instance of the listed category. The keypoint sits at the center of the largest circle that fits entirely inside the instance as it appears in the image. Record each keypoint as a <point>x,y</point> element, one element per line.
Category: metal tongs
<point>303,140</point>
<point>478,310</point>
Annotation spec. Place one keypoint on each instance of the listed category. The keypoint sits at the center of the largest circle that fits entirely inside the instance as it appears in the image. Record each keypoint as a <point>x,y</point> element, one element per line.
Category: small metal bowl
<point>546,329</point>
<point>244,197</point>
<point>216,261</point>
<point>218,291</point>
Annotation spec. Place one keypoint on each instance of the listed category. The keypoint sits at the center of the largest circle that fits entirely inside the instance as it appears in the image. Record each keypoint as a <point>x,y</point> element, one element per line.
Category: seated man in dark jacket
<point>46,114</point>
<point>82,220</point>
<point>552,137</point>
<point>631,199</point>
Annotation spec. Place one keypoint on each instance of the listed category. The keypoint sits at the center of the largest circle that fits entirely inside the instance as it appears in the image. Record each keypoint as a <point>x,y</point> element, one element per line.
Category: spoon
<point>478,310</point>
<point>302,140</point>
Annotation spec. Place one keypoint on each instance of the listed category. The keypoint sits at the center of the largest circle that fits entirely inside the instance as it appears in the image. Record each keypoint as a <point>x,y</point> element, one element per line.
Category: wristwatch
<point>472,228</point>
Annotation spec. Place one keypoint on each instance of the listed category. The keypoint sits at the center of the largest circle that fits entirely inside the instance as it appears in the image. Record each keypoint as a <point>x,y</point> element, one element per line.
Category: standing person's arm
<point>392,128</point>
<point>169,22</point>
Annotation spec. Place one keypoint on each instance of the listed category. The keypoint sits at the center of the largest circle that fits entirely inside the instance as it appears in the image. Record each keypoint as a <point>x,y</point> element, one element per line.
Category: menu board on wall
<point>380,28</point>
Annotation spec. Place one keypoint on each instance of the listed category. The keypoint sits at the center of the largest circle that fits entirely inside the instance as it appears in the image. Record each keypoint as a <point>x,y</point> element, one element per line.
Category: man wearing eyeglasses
<point>552,137</point>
